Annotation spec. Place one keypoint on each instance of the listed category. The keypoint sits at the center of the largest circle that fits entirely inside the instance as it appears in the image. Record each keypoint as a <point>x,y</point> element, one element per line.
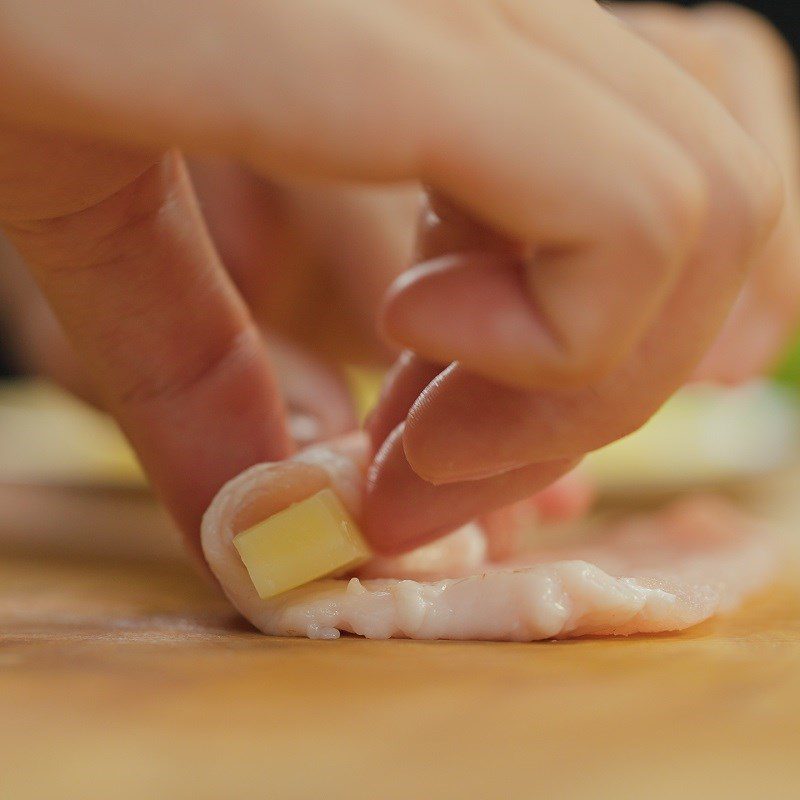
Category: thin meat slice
<point>651,573</point>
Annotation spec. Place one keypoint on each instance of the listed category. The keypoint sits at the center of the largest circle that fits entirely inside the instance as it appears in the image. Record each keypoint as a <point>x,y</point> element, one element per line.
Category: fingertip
<point>446,439</point>
<point>405,381</point>
<point>402,510</point>
<point>394,498</point>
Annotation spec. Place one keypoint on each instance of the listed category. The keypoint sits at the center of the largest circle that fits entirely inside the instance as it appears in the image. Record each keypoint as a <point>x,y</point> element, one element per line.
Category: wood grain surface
<point>122,678</point>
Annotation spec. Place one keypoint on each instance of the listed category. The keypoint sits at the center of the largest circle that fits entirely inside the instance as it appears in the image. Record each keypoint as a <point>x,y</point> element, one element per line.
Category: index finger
<point>260,66</point>
<point>136,285</point>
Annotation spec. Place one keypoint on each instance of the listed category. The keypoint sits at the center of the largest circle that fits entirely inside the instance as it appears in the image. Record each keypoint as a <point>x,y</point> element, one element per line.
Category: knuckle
<point>97,235</point>
<point>745,192</point>
<point>678,32</point>
<point>625,423</point>
<point>701,54</point>
<point>615,417</point>
<point>373,128</point>
<point>470,24</point>
<point>654,228</point>
<point>737,29</point>
<point>660,224</point>
<point>659,11</point>
<point>748,202</point>
<point>681,200</point>
<point>178,379</point>
<point>584,357</point>
<point>584,364</point>
<point>739,19</point>
<point>656,19</point>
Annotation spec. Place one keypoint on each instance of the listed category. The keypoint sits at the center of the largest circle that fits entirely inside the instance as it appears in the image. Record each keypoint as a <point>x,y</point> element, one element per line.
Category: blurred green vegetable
<point>788,370</point>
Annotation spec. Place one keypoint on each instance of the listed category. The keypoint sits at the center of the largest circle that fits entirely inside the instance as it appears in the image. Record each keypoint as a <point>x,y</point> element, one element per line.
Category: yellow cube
<point>306,541</point>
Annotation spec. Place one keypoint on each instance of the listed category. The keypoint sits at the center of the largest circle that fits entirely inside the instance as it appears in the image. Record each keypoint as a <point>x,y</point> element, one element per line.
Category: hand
<point>747,65</point>
<point>525,352</point>
<point>549,122</point>
<point>107,220</point>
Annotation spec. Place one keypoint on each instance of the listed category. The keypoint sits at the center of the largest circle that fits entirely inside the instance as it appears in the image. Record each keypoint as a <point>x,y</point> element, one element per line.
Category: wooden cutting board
<point>133,680</point>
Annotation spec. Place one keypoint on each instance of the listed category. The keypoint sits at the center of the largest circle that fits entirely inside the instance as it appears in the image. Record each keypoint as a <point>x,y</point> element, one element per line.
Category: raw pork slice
<point>651,573</point>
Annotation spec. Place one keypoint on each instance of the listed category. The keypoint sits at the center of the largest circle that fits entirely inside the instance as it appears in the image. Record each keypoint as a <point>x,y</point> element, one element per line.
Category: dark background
<point>785,15</point>
<point>6,367</point>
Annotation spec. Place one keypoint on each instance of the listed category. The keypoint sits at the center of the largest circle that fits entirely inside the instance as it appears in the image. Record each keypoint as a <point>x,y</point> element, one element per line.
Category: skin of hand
<point>743,62</point>
<point>312,264</point>
<point>603,212</point>
<point>482,402</point>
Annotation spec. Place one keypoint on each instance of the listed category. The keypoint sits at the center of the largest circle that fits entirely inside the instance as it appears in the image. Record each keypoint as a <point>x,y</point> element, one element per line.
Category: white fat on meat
<point>651,573</point>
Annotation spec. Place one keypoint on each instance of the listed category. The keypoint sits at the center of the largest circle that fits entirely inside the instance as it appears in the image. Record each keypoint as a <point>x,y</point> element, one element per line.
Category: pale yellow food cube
<point>306,541</point>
